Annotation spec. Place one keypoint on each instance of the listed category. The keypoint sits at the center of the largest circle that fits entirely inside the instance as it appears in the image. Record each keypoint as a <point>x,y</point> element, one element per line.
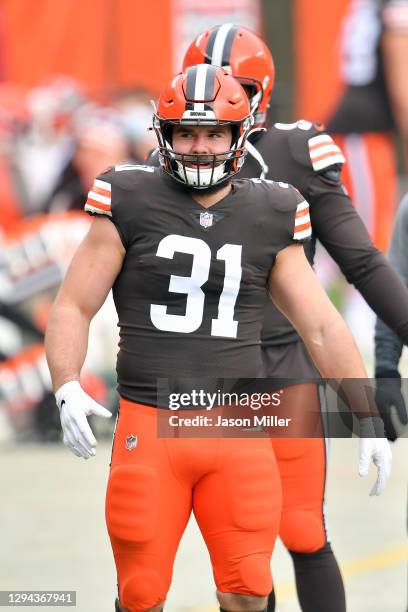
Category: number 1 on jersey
<point>224,324</point>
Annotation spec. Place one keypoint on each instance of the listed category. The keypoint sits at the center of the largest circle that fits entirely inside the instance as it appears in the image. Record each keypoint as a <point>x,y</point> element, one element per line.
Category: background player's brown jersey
<point>191,292</point>
<point>305,156</point>
<point>301,154</point>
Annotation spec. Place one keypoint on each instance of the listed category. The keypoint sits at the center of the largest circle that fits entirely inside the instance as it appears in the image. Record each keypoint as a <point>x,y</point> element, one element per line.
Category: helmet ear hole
<point>167,131</point>
<point>250,90</point>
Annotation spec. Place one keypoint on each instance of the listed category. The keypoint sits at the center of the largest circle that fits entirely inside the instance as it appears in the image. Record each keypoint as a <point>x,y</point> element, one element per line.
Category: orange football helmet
<point>203,95</point>
<point>244,55</point>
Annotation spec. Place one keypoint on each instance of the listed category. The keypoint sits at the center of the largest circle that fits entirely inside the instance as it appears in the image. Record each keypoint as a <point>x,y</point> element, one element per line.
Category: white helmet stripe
<point>219,43</point>
<point>199,92</point>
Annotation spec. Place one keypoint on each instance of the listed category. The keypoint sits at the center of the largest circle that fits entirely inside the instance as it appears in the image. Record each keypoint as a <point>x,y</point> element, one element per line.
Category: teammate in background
<point>189,262</point>
<point>374,106</point>
<point>304,155</point>
<point>388,346</point>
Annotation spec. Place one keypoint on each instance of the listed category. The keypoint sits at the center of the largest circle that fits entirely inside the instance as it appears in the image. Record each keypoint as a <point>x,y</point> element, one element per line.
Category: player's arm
<point>395,59</point>
<point>388,346</point>
<point>297,292</point>
<point>340,229</point>
<point>89,279</point>
<point>90,276</point>
<point>337,225</point>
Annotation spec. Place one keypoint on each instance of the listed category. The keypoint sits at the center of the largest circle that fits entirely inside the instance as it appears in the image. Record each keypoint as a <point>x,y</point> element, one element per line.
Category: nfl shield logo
<point>131,442</point>
<point>206,219</point>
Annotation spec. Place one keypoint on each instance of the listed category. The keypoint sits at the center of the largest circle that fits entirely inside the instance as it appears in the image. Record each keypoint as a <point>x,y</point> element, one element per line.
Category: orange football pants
<point>371,179</point>
<point>302,469</point>
<point>231,484</point>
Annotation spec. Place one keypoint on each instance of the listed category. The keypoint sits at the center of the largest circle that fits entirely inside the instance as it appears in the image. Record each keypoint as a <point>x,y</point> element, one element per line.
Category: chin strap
<point>256,155</point>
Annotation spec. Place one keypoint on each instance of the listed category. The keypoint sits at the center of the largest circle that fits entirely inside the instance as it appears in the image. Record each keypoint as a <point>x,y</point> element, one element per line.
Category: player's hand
<point>388,394</point>
<point>378,451</point>
<point>74,406</point>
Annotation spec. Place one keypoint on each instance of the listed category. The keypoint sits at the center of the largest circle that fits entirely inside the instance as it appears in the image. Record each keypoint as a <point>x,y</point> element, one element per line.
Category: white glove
<point>378,451</point>
<point>74,406</point>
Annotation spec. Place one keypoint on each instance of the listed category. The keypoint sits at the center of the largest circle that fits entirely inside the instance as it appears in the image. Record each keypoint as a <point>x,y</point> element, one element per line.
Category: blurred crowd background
<point>76,80</point>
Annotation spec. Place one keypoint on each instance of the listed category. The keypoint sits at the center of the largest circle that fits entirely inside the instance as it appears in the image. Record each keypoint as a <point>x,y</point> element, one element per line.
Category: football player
<point>189,254</point>
<point>303,154</point>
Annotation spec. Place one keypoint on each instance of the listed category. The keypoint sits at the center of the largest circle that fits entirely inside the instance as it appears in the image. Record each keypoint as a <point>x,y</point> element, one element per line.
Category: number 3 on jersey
<point>224,324</point>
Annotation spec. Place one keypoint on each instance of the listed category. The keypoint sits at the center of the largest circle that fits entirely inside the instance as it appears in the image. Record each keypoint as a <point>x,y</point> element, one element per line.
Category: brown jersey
<point>305,156</point>
<point>191,292</point>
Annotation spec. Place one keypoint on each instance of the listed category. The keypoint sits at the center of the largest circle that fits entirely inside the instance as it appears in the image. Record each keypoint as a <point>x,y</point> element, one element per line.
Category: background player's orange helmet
<point>203,95</point>
<point>244,55</point>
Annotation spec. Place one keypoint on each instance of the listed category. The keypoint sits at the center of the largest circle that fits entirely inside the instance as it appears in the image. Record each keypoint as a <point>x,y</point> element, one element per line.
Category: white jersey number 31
<point>224,324</point>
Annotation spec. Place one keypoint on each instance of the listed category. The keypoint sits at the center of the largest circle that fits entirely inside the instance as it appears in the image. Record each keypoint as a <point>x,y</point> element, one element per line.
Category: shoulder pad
<point>133,167</point>
<point>130,176</point>
<point>99,201</point>
<point>303,227</point>
<point>264,181</point>
<point>284,196</point>
<point>311,146</point>
<point>126,177</point>
<point>297,125</point>
<point>324,152</point>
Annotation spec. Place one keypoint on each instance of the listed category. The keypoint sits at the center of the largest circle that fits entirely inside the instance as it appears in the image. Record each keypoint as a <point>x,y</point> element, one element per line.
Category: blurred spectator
<point>43,150</point>
<point>100,142</point>
<point>136,111</point>
<point>374,56</point>
<point>13,123</point>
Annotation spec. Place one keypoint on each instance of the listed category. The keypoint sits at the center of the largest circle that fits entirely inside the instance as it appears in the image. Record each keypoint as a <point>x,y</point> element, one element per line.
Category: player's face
<point>202,140</point>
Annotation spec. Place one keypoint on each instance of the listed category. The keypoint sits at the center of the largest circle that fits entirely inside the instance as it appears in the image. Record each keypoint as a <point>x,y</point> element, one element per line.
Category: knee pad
<point>132,503</point>
<point>254,490</point>
<point>302,530</point>
<point>142,591</point>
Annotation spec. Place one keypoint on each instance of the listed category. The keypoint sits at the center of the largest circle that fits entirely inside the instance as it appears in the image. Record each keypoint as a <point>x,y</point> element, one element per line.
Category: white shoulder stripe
<point>323,149</point>
<point>102,185</point>
<point>99,198</point>
<point>329,161</point>
<point>320,139</point>
<point>125,167</point>
<point>303,234</point>
<point>302,220</point>
<point>302,206</point>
